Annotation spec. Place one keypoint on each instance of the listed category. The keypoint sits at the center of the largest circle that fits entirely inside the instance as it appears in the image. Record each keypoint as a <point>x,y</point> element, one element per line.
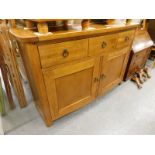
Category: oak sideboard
<point>68,69</point>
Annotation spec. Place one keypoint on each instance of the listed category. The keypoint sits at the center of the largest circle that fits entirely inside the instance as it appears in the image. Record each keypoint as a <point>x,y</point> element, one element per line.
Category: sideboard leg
<point>48,122</point>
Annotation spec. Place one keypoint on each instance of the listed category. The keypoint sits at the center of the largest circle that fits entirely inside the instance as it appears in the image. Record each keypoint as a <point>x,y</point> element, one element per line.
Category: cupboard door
<point>70,86</point>
<point>112,71</point>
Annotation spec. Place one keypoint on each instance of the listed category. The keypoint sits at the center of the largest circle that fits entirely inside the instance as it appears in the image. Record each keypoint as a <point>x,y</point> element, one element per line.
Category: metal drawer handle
<point>65,53</point>
<point>126,39</point>
<point>104,44</point>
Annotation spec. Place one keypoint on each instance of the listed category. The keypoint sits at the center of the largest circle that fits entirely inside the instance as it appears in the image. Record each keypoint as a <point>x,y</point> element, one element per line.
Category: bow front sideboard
<point>69,69</point>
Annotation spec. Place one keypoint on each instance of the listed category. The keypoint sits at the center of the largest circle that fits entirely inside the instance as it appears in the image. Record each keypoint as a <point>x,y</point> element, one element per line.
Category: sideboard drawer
<point>125,38</point>
<point>97,45</point>
<point>52,54</point>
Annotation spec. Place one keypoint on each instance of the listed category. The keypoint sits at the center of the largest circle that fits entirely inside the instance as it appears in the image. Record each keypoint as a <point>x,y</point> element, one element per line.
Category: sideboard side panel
<point>32,64</point>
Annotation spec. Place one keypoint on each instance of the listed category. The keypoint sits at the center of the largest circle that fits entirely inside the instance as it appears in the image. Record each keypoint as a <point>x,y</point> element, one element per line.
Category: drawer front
<point>125,38</point>
<point>98,45</point>
<point>52,54</point>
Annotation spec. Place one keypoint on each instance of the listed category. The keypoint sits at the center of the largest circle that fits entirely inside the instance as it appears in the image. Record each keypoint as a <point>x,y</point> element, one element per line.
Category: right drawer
<point>101,44</point>
<point>125,38</point>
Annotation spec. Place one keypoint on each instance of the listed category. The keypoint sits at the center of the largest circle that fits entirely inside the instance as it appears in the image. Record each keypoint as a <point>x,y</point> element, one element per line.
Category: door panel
<point>66,85</point>
<point>112,70</point>
<point>71,86</point>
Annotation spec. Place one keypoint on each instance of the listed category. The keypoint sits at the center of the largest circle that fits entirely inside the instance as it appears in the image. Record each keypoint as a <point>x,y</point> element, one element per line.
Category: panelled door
<point>112,70</point>
<point>70,86</point>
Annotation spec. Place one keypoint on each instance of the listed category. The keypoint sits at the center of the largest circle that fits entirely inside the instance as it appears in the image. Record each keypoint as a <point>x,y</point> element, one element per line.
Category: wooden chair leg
<point>143,75</point>
<point>137,81</point>
<point>146,70</point>
<point>139,75</point>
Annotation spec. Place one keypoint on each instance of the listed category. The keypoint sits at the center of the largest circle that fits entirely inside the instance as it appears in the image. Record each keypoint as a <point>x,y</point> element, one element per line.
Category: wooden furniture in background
<point>43,26</point>
<point>69,69</point>
<point>140,52</point>
<point>151,29</point>
<point>9,50</point>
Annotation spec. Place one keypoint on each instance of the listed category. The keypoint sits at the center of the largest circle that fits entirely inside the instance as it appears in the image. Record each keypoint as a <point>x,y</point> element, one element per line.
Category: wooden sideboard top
<point>26,35</point>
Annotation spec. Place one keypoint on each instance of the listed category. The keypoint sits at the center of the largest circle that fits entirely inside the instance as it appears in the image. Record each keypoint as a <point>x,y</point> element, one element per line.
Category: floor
<point>124,110</point>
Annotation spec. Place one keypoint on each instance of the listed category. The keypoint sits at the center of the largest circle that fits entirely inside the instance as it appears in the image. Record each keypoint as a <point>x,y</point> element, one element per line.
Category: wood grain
<point>52,54</point>
<point>64,83</point>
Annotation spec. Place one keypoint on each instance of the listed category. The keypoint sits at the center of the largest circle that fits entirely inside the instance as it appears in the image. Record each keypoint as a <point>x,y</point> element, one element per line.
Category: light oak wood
<point>69,69</point>
<point>29,24</point>
<point>112,70</point>
<point>31,60</point>
<point>30,36</point>
<point>12,23</point>
<point>42,27</point>
<point>101,44</point>
<point>52,54</point>
<point>71,85</point>
<point>125,38</point>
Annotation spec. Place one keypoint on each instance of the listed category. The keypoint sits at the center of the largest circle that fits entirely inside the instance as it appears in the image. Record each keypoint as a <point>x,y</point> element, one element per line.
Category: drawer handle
<point>96,79</point>
<point>126,39</point>
<point>65,53</point>
<point>102,77</point>
<point>104,44</point>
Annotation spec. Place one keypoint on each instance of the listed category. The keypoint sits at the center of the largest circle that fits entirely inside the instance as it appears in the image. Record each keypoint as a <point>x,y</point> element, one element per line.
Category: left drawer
<point>52,54</point>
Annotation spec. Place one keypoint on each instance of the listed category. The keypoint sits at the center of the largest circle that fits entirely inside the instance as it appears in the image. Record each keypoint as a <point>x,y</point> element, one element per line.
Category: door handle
<point>96,79</point>
<point>102,76</point>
